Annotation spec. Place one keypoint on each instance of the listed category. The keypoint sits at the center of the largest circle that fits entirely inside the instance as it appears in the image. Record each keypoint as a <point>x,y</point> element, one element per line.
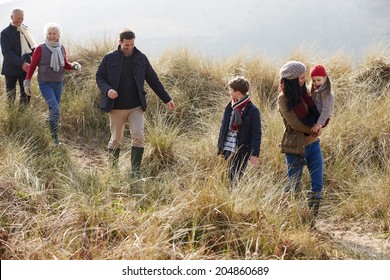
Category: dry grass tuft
<point>55,205</point>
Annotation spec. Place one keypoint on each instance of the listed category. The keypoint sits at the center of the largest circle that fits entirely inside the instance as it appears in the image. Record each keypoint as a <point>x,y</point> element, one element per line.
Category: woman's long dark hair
<point>293,91</point>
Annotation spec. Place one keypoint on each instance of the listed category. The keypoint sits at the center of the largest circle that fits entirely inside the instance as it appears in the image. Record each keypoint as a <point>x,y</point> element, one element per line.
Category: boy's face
<point>236,95</point>
<point>318,81</point>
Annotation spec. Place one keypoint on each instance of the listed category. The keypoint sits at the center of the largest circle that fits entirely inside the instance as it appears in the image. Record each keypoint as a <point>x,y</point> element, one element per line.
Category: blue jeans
<point>313,159</point>
<point>51,92</point>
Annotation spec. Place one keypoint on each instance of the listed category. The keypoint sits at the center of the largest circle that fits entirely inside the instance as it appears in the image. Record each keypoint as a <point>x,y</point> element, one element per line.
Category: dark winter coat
<point>12,52</point>
<point>109,72</point>
<point>249,132</point>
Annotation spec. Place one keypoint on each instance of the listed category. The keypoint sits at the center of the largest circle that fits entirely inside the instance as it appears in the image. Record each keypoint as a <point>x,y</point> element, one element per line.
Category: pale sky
<point>217,28</point>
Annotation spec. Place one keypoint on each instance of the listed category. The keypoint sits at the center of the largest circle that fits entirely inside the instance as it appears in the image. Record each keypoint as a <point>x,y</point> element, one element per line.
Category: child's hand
<point>316,128</point>
<point>254,160</point>
<point>319,132</point>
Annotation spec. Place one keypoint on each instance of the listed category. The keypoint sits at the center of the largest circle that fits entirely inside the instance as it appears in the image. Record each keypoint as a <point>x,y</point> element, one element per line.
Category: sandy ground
<point>355,238</point>
<point>89,154</point>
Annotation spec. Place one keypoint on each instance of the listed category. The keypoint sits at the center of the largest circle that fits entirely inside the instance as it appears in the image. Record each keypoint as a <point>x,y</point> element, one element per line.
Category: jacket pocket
<point>112,64</point>
<point>140,63</point>
<point>293,142</point>
<point>106,104</point>
<point>113,69</point>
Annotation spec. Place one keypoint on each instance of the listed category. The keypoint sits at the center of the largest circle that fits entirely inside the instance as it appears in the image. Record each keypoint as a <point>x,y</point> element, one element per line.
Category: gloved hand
<point>76,66</point>
<point>27,87</point>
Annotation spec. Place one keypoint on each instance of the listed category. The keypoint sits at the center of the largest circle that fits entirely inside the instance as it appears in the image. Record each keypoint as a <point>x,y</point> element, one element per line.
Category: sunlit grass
<point>57,206</point>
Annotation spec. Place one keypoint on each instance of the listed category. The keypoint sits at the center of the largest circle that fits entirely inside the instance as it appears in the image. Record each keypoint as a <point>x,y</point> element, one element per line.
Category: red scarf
<point>308,115</point>
<point>237,106</point>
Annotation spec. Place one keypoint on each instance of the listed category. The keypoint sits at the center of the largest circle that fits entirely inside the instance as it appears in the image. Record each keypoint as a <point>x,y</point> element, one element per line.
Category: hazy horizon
<point>217,28</point>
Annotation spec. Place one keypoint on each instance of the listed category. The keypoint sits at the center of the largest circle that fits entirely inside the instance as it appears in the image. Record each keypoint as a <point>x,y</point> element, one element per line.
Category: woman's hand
<point>27,87</point>
<point>76,66</point>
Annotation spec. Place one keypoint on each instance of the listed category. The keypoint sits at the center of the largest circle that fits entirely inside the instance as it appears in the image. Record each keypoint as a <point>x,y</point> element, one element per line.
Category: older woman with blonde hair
<point>50,58</point>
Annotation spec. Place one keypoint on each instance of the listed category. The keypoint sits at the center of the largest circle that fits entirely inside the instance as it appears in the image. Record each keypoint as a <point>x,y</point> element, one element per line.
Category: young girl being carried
<point>322,96</point>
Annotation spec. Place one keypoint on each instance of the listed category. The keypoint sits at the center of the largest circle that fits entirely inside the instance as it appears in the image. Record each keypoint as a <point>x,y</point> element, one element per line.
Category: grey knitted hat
<point>292,70</point>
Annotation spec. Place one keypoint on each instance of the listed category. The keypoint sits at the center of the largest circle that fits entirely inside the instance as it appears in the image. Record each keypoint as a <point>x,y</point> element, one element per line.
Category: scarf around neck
<point>27,42</point>
<point>238,106</point>
<point>309,115</point>
<point>57,58</point>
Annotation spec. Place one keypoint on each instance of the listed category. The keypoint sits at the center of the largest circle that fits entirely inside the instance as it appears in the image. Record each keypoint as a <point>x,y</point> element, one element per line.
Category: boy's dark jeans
<point>237,164</point>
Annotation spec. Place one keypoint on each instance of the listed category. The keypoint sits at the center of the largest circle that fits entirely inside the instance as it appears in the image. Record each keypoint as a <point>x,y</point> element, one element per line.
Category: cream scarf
<point>27,41</point>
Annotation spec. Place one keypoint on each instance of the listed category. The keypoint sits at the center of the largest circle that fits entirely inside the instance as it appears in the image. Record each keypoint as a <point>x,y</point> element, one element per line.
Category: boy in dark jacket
<point>240,133</point>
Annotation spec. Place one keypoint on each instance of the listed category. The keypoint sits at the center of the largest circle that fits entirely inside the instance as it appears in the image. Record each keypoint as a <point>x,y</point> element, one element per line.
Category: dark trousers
<point>237,164</point>
<point>10,84</point>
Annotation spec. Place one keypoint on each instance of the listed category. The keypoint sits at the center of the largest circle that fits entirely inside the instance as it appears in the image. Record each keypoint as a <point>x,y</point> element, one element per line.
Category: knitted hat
<point>318,70</point>
<point>292,70</point>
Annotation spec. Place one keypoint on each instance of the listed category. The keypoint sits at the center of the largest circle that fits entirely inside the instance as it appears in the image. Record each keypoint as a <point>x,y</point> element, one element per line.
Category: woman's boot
<point>313,201</point>
<point>54,132</point>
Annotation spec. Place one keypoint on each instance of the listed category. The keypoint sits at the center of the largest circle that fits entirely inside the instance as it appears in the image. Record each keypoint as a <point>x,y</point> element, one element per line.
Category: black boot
<point>56,139</point>
<point>136,159</point>
<point>54,133</point>
<point>24,100</point>
<point>314,204</point>
<point>11,96</point>
<point>113,156</point>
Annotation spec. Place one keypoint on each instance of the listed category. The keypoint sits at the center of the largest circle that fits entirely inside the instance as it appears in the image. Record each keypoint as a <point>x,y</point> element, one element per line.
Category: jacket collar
<point>135,50</point>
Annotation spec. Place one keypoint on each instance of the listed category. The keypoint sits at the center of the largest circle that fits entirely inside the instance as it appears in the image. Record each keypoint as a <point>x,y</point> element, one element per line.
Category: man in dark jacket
<point>120,78</point>
<point>17,46</point>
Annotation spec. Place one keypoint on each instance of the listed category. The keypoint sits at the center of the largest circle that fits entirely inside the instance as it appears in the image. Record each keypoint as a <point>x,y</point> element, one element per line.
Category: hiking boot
<point>313,201</point>
<point>136,159</point>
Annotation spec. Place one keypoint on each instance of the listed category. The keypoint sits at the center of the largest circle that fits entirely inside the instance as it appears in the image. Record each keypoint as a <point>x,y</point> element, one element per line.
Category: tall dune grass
<point>54,205</point>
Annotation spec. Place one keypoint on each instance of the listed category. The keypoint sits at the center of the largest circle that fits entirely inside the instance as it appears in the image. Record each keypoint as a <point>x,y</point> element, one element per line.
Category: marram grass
<point>58,203</point>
